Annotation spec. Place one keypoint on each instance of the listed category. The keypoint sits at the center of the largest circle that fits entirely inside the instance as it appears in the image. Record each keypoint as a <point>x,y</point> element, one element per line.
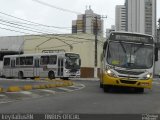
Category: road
<point>91,99</point>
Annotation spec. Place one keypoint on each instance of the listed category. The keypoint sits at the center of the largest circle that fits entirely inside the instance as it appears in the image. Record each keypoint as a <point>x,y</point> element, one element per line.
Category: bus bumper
<point>126,82</point>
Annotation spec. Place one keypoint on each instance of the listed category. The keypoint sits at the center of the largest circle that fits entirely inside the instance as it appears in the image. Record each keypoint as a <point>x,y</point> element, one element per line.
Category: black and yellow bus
<point>128,61</point>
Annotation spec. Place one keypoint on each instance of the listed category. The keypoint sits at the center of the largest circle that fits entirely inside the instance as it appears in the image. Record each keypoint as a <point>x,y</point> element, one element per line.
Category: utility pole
<point>95,59</point>
<point>158,31</point>
<point>159,23</point>
<point>96,30</point>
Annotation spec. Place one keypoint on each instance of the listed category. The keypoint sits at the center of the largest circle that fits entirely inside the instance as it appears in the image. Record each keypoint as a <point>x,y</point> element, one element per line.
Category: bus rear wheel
<point>51,75</point>
<point>20,75</point>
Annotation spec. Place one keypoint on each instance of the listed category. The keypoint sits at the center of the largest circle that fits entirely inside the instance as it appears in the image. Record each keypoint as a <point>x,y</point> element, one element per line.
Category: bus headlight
<point>110,73</point>
<point>78,72</point>
<point>67,71</point>
<point>147,76</point>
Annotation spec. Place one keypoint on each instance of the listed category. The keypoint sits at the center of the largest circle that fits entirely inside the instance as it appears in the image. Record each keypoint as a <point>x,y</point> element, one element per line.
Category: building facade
<point>84,44</point>
<point>158,32</point>
<point>141,16</point>
<point>120,18</point>
<point>88,23</point>
<point>137,16</point>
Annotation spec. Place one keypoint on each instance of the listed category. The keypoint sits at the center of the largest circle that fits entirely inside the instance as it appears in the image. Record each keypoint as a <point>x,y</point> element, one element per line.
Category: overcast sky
<point>33,11</point>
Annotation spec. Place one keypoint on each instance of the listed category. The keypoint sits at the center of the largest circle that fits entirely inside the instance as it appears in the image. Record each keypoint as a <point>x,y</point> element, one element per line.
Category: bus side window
<point>52,59</point>
<point>44,60</point>
<point>22,60</point>
<point>12,63</point>
<point>29,61</point>
<point>6,61</point>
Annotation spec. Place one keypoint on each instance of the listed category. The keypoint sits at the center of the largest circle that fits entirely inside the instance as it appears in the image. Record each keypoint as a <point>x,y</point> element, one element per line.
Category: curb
<point>57,83</point>
<point>13,89</point>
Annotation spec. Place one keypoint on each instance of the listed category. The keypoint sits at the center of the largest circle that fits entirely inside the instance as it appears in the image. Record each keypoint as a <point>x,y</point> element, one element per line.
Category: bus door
<point>60,66</point>
<point>12,72</point>
<point>36,68</point>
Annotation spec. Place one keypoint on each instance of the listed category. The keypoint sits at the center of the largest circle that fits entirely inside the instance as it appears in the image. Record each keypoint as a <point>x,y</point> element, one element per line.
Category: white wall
<point>85,47</point>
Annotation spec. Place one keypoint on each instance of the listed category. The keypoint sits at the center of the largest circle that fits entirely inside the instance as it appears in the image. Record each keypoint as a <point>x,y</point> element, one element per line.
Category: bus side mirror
<point>156,54</point>
<point>104,47</point>
<point>79,62</point>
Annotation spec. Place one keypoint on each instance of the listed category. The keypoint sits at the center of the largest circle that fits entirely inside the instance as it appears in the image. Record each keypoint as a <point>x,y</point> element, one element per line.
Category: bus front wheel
<point>51,75</point>
<point>139,90</point>
<point>101,85</point>
<point>106,88</point>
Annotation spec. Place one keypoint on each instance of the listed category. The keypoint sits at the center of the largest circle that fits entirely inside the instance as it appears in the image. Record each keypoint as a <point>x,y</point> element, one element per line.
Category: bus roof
<point>39,54</point>
<point>135,33</point>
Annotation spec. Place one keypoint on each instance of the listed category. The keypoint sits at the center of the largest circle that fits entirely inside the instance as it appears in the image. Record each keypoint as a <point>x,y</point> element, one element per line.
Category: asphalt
<point>90,100</point>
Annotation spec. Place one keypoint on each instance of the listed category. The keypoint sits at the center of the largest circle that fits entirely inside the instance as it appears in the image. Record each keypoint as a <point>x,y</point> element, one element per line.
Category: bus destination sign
<point>132,38</point>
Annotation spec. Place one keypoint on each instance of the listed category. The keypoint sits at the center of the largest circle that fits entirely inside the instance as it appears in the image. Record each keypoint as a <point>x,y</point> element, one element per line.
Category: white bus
<point>51,65</point>
<point>10,45</point>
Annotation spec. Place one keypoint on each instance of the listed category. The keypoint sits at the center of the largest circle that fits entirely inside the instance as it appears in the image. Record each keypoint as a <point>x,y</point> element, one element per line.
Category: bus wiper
<point>124,50</point>
<point>138,48</point>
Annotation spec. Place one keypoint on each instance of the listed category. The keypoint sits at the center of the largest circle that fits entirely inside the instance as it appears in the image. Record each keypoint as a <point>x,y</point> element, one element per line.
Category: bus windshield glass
<point>72,61</point>
<point>130,55</point>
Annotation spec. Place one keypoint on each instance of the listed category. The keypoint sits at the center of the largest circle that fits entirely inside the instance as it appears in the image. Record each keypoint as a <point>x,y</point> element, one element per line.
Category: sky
<point>59,18</point>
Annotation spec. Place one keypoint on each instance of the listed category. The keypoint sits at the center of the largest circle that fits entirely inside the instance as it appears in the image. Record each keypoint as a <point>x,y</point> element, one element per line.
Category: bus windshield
<point>130,55</point>
<point>72,61</point>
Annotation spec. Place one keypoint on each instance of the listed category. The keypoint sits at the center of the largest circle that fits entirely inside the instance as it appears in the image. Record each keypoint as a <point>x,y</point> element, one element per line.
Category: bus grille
<point>128,82</point>
<point>129,72</point>
<point>74,70</point>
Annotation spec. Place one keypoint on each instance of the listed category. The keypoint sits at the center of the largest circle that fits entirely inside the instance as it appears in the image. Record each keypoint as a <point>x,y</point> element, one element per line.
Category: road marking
<point>73,86</point>
<point>77,87</point>
<point>2,102</point>
<point>65,89</point>
<point>2,95</point>
<point>32,94</point>
<point>49,91</point>
<point>26,92</point>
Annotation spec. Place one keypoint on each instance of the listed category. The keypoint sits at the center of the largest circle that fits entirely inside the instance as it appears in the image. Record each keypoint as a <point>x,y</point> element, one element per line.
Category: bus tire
<point>139,90</point>
<point>65,78</point>
<point>20,75</point>
<point>106,88</point>
<point>51,75</point>
<point>101,85</point>
<point>32,78</point>
<point>3,76</point>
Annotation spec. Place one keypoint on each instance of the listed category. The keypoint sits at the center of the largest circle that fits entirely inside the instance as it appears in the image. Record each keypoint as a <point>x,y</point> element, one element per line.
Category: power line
<point>31,29</point>
<point>40,32</point>
<point>14,30</point>
<point>22,28</point>
<point>44,33</point>
<point>33,22</point>
<point>12,23</point>
<point>58,8</point>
